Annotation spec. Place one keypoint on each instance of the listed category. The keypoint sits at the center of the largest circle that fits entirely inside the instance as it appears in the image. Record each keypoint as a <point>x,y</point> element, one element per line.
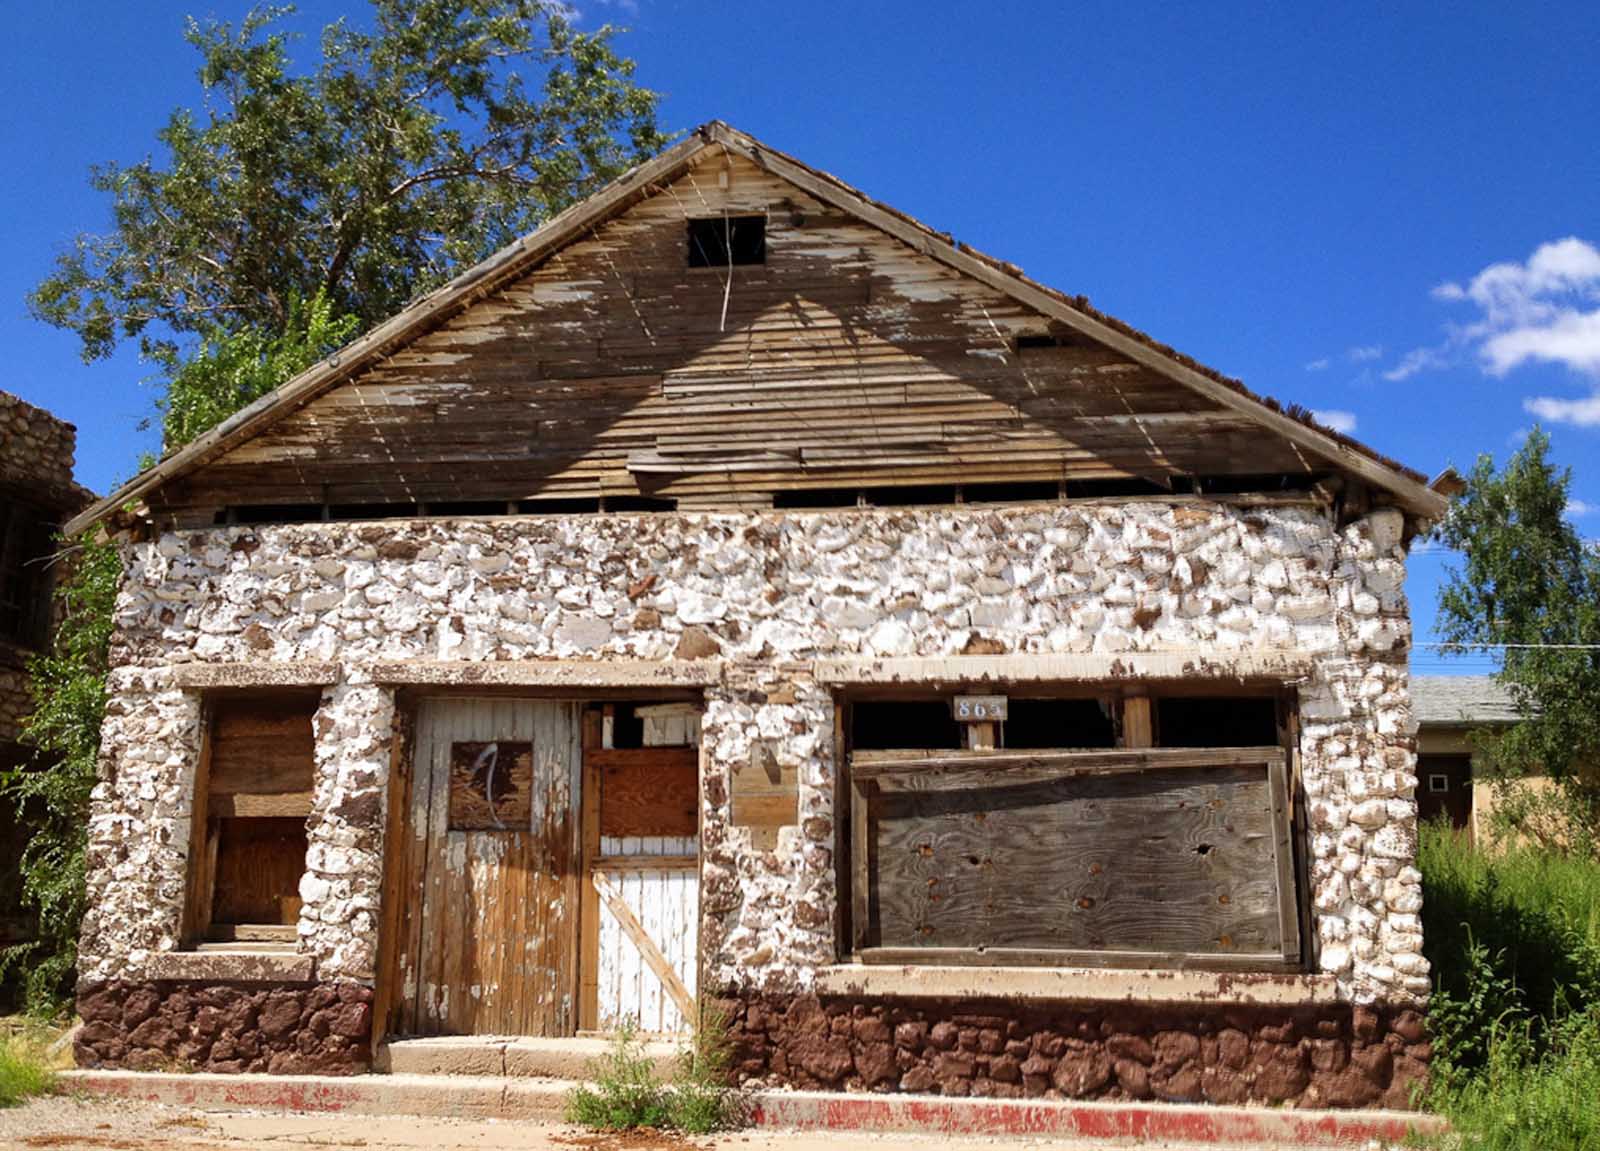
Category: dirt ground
<point>65,1124</point>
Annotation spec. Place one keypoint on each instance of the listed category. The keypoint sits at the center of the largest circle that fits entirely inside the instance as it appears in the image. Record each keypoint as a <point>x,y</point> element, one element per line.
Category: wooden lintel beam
<point>878,764</point>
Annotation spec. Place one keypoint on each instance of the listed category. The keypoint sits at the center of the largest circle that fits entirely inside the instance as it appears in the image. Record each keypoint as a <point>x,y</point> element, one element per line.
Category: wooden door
<point>488,938</point>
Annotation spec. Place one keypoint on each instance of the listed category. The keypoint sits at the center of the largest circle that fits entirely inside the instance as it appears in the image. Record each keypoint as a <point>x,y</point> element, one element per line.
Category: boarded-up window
<point>1137,856</point>
<point>253,797</point>
<point>491,786</point>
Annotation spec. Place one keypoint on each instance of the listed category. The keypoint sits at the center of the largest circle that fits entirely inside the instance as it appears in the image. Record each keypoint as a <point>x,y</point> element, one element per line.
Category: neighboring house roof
<point>1410,489</point>
<point>1460,701</point>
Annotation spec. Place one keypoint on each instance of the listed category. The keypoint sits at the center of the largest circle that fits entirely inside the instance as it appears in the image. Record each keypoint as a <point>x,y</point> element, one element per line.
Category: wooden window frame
<point>206,810</point>
<point>862,769</point>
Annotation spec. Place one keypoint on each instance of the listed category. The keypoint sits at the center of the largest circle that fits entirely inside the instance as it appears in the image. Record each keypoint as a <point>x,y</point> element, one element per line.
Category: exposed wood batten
<point>876,764</point>
<point>1283,666</point>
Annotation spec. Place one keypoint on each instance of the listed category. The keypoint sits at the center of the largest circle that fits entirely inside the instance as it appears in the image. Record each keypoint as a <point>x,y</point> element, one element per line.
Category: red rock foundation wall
<point>317,1028</point>
<point>1335,1056</point>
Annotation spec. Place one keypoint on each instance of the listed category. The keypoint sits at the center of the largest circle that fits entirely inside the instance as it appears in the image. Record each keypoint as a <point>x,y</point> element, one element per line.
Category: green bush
<point>24,1070</point>
<point>626,1095</point>
<point>1514,939</point>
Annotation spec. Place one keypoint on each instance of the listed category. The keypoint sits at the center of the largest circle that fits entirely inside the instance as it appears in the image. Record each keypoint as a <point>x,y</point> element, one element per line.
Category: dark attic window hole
<point>724,240</point>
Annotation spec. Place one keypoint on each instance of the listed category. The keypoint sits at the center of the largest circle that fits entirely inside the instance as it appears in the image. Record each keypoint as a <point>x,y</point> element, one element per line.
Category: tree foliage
<point>1530,582</point>
<point>413,148</point>
<point>228,371</point>
<point>69,692</point>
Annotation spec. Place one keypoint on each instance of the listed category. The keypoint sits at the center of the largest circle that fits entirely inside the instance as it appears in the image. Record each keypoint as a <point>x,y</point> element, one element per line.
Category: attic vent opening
<point>1031,340</point>
<point>724,240</point>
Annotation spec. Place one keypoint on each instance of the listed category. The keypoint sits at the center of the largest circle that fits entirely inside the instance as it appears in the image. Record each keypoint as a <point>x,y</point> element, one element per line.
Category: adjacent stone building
<point>737,592</point>
<point>37,494</point>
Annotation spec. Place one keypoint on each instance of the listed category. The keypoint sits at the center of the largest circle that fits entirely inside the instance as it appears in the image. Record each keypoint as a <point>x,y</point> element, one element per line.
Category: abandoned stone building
<point>738,593</point>
<point>37,495</point>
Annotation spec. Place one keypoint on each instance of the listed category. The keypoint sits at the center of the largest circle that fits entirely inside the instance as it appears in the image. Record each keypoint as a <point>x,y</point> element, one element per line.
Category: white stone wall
<point>768,594</point>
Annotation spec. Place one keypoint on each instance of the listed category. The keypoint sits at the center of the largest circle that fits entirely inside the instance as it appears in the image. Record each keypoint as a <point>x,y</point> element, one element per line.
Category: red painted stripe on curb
<point>510,1098</point>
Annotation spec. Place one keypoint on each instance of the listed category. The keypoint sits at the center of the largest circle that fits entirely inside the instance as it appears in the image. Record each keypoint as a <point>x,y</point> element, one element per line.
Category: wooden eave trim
<point>1282,666</point>
<point>555,673</point>
<point>1415,497</point>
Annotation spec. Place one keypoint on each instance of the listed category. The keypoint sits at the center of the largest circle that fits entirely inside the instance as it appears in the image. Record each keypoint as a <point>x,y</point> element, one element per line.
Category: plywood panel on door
<point>490,947</point>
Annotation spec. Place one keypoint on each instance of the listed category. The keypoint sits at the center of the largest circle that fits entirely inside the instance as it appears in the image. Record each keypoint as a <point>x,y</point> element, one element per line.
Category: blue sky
<point>1393,217</point>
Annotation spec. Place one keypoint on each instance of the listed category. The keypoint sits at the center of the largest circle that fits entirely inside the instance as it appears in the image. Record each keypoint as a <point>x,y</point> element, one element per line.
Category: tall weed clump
<point>1514,940</point>
<point>625,1094</point>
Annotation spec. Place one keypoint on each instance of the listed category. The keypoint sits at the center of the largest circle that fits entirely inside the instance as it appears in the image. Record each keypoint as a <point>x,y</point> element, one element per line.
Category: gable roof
<point>1460,701</point>
<point>1409,488</point>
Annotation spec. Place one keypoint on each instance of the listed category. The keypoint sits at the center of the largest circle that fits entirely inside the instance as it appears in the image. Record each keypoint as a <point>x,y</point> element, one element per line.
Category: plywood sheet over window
<point>1159,856</point>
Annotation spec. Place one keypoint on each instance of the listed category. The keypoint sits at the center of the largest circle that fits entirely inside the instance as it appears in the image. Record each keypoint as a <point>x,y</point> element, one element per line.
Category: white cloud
<point>1585,413</point>
<point>1339,421</point>
<point>1546,310</point>
<point>1318,365</point>
<point>1364,353</point>
<point>1577,508</point>
<point>1417,360</point>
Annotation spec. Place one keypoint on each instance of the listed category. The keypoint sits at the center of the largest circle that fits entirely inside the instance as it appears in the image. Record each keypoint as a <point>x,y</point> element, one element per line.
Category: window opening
<point>1216,721</point>
<point>724,240</point>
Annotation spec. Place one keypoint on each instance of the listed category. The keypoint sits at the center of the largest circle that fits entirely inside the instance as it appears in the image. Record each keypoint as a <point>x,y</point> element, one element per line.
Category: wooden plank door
<point>492,949</point>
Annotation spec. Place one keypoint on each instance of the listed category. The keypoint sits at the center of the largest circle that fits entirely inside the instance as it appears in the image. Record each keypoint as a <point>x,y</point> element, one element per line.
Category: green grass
<point>24,1070</point>
<point>1514,939</point>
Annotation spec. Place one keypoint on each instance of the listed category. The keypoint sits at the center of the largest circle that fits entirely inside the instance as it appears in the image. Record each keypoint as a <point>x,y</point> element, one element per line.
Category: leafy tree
<point>1531,582</point>
<point>287,214</point>
<point>450,128</point>
<point>69,691</point>
<point>227,371</point>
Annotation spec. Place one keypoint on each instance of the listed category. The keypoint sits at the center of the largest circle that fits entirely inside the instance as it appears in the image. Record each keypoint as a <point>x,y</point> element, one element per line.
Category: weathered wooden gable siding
<point>846,359</point>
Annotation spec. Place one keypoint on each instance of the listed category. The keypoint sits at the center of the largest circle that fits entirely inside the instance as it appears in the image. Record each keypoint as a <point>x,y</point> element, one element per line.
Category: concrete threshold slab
<point>522,1057</point>
<point>510,1097</point>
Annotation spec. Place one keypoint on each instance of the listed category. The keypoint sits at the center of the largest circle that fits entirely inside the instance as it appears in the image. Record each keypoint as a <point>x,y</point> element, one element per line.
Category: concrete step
<point>521,1057</point>
<point>510,1097</point>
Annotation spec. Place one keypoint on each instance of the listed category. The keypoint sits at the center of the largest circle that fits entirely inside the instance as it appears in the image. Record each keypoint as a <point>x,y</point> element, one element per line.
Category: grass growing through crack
<point>625,1093</point>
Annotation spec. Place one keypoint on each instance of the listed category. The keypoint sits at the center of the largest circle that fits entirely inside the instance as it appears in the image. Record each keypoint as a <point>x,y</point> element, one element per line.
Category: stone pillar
<point>139,823</point>
<point>342,886</point>
<point>768,916</point>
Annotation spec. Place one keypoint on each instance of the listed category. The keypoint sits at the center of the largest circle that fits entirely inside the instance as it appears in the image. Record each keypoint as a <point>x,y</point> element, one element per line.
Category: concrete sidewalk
<point>503,1098</point>
<point>67,1124</point>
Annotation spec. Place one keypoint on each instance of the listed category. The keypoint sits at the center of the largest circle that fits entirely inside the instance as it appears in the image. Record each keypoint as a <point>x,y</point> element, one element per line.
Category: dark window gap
<point>1216,721</point>
<point>1034,723</point>
<point>560,507</point>
<point>816,498</point>
<point>467,508</point>
<point>724,240</point>
<point>910,495</point>
<point>638,504</point>
<point>1009,493</point>
<point>879,724</point>
<point>373,511</point>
